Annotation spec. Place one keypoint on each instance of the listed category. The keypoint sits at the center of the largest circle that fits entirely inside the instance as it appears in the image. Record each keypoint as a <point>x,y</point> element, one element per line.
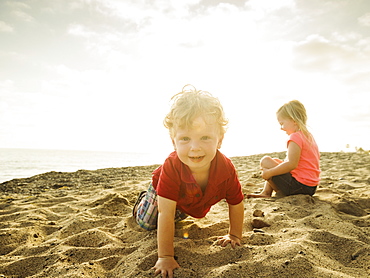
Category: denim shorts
<point>290,186</point>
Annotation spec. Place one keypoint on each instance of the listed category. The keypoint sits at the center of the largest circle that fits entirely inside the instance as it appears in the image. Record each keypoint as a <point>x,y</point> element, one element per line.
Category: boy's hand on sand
<point>225,240</point>
<point>165,267</point>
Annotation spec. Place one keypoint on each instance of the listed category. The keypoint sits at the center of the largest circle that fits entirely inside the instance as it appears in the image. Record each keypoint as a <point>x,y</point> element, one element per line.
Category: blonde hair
<point>296,111</point>
<point>190,104</point>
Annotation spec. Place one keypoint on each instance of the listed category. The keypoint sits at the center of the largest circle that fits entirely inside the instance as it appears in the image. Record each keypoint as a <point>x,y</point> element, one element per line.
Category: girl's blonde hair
<point>296,111</point>
<point>190,104</point>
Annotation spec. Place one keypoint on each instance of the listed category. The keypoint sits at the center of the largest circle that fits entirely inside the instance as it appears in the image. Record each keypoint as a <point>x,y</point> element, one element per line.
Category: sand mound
<point>79,225</point>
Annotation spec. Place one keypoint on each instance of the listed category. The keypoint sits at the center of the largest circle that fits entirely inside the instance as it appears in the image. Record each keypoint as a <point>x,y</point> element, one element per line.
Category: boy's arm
<point>166,262</point>
<point>236,218</point>
<point>166,226</point>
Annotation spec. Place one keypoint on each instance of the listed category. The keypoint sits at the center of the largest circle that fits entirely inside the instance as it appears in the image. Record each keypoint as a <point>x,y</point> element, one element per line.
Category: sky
<point>99,74</point>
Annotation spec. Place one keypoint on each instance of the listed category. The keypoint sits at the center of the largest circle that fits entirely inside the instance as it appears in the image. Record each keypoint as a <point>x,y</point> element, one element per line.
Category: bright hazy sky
<point>99,74</point>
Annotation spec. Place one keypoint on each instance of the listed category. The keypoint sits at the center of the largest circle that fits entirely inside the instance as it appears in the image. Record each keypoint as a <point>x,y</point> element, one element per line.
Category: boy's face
<point>197,146</point>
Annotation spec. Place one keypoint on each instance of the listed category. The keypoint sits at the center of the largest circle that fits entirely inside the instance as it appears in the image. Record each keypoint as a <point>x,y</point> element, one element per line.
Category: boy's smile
<point>196,159</point>
<point>197,146</point>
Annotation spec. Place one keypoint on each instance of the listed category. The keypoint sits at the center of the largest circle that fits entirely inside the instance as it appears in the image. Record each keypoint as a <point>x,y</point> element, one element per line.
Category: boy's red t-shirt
<point>173,180</point>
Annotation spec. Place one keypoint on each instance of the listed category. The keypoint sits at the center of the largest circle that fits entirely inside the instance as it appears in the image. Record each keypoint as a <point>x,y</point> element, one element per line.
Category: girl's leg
<point>265,193</point>
<point>269,187</point>
<point>269,162</point>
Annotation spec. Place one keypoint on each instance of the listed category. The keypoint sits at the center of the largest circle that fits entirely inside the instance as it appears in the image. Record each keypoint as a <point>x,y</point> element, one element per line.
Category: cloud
<point>359,81</point>
<point>269,6</point>
<point>317,53</point>
<point>206,6</point>
<point>100,65</point>
<point>17,9</point>
<point>364,20</point>
<point>5,28</point>
<point>80,31</point>
<point>23,16</point>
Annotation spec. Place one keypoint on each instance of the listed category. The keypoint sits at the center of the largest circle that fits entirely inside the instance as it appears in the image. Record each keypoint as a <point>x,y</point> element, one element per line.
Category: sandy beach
<point>79,225</point>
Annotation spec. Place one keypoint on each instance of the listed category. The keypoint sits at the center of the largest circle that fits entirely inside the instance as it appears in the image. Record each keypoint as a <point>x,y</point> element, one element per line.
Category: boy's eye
<point>205,137</point>
<point>185,139</point>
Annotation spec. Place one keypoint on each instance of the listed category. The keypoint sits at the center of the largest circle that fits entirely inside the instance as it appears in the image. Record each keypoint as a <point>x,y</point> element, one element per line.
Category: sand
<point>79,225</point>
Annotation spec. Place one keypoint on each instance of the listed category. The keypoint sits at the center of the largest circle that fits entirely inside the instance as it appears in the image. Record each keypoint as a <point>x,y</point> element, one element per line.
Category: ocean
<point>24,163</point>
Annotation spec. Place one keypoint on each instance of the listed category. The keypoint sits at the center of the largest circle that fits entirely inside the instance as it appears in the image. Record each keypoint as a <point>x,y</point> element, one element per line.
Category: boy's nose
<point>195,146</point>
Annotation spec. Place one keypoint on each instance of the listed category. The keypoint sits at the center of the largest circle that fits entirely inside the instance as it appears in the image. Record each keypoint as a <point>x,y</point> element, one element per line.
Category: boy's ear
<point>173,144</point>
<point>220,142</point>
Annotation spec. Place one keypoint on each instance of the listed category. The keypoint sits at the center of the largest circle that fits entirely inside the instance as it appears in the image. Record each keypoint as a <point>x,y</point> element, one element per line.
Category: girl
<point>299,172</point>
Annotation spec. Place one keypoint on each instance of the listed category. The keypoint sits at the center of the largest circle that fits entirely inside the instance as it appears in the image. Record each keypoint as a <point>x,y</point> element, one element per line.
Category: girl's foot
<point>260,195</point>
